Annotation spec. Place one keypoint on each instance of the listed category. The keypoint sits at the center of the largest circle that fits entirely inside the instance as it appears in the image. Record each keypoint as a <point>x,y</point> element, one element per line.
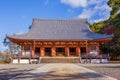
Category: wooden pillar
<point>98,49</point>
<point>33,51</point>
<point>19,60</point>
<point>77,51</point>
<point>53,51</point>
<point>22,50</point>
<point>42,51</point>
<point>29,60</point>
<point>67,51</point>
<point>87,53</point>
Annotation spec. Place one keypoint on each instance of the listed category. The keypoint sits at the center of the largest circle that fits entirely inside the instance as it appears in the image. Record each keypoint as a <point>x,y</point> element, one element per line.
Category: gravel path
<point>53,72</point>
<point>61,72</point>
<point>112,70</point>
<point>8,71</point>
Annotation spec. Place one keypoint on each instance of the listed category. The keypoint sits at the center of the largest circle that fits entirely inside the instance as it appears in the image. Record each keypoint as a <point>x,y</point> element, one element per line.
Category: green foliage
<point>5,58</point>
<point>8,60</point>
<point>116,21</point>
<point>114,44</point>
<point>115,4</point>
<point>112,47</point>
<point>98,27</point>
<point>12,47</point>
<point>114,18</point>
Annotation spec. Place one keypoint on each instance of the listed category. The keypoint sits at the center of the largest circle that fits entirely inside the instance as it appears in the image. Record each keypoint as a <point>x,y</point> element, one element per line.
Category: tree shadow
<point>102,66</point>
<point>6,74</point>
<point>112,66</point>
<point>52,75</point>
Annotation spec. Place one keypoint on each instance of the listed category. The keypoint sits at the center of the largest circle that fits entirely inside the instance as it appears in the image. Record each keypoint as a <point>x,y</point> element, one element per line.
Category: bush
<point>8,60</point>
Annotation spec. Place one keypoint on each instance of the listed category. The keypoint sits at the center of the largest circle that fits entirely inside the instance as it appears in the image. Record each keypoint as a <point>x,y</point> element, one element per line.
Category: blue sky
<point>16,15</point>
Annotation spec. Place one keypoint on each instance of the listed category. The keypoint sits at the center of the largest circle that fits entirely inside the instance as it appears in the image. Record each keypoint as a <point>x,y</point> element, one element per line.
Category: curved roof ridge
<point>60,29</point>
<point>40,19</point>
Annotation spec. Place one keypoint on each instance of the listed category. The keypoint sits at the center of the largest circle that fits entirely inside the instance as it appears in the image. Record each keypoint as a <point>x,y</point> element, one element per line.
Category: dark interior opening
<point>83,51</point>
<point>60,51</point>
<point>47,51</point>
<point>72,51</point>
<point>37,51</point>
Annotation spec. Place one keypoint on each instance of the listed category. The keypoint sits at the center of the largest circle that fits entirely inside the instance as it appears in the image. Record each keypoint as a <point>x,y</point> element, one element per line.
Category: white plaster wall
<point>104,60</point>
<point>24,60</point>
<point>15,61</point>
<point>95,60</point>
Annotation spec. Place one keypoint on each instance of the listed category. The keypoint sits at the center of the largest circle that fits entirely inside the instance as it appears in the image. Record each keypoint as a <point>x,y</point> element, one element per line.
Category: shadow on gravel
<point>6,69</point>
<point>6,74</point>
<point>112,66</point>
<point>104,67</point>
<point>54,76</point>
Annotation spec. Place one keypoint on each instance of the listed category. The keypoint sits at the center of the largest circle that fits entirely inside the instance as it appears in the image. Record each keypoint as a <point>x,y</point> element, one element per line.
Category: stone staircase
<point>60,60</point>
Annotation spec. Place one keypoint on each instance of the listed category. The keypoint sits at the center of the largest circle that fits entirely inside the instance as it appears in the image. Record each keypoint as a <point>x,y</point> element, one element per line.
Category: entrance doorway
<point>47,51</point>
<point>37,51</point>
<point>72,51</point>
<point>60,51</point>
<point>83,51</point>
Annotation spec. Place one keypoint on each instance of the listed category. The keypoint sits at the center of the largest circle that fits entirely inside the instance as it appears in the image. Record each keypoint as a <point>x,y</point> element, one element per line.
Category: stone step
<point>60,60</point>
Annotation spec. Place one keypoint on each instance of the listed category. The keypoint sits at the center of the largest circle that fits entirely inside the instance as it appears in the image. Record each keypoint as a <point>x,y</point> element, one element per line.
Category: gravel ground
<point>11,70</point>
<point>112,70</point>
<point>55,72</point>
<point>61,72</point>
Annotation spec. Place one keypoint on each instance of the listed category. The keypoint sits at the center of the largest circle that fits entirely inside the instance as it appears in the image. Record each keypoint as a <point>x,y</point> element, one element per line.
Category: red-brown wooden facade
<point>78,45</point>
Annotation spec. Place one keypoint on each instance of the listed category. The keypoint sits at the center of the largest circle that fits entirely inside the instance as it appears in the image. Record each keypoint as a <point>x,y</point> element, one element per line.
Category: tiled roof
<point>52,29</point>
